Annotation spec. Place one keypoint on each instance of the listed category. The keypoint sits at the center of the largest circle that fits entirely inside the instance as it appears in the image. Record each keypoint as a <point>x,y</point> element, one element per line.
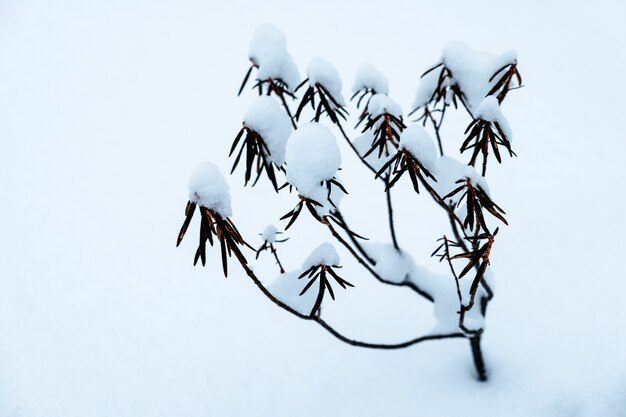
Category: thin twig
<point>353,239</point>
<point>343,133</point>
<point>275,253</point>
<point>390,215</point>
<point>293,123</point>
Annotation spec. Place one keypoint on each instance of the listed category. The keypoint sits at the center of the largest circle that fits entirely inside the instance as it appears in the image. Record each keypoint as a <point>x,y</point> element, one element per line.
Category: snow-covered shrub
<point>305,158</point>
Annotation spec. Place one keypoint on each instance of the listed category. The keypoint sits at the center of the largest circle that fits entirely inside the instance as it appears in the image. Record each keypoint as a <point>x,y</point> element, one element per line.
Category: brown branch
<point>353,239</point>
<point>335,332</point>
<point>390,215</point>
<point>477,355</point>
<point>275,253</point>
<point>354,149</point>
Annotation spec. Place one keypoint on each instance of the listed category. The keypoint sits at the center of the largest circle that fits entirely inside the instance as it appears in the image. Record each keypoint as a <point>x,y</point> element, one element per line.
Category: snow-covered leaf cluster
<point>268,51</point>
<point>208,188</point>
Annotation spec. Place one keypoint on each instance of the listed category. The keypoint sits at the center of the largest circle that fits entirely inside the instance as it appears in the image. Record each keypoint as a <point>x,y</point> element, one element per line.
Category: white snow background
<point>107,106</point>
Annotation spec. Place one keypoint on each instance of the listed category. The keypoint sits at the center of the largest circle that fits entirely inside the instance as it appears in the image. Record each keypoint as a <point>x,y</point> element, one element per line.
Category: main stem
<point>477,355</point>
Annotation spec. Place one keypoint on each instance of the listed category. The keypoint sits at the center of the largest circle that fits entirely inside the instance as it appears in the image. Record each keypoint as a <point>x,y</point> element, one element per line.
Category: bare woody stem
<point>336,333</point>
<point>477,355</point>
<point>354,241</point>
<point>385,181</point>
<point>391,225</point>
<point>275,253</point>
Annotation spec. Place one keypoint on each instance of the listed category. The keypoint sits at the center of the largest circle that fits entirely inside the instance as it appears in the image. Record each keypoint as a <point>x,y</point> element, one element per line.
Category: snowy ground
<point>105,107</point>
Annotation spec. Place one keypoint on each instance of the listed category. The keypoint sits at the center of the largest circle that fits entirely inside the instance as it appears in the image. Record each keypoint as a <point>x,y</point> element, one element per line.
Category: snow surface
<point>268,119</point>
<point>421,146</point>
<point>208,188</point>
<point>268,51</point>
<point>106,106</point>
<point>489,110</point>
<point>368,77</point>
<point>312,157</point>
<point>324,254</point>
<point>322,72</point>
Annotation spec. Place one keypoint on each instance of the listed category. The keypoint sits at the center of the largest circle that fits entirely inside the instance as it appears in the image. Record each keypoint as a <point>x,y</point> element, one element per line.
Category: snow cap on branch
<point>268,50</point>
<point>267,118</point>
<point>287,287</point>
<point>471,70</point>
<point>421,146</point>
<point>312,156</point>
<point>489,111</point>
<point>382,103</point>
<point>269,233</point>
<point>322,72</point>
<point>450,170</point>
<point>368,77</point>
<point>324,254</point>
<point>208,188</point>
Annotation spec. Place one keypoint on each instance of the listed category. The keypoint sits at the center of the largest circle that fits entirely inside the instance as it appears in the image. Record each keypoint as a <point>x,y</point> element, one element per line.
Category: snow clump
<point>471,70</point>
<point>368,77</point>
<point>382,103</point>
<point>323,73</point>
<point>421,146</point>
<point>268,51</point>
<point>489,110</point>
<point>269,233</point>
<point>266,118</point>
<point>450,170</point>
<point>312,157</point>
<point>287,287</point>
<point>324,254</point>
<point>208,188</point>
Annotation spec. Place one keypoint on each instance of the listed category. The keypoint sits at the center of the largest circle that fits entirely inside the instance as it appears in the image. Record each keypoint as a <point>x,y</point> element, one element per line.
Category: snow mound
<point>421,146</point>
<point>471,70</point>
<point>267,118</point>
<point>269,233</point>
<point>287,287</point>
<point>368,77</point>
<point>324,254</point>
<point>268,51</point>
<point>312,156</point>
<point>382,103</point>
<point>208,188</point>
<point>490,111</point>
<point>323,73</point>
